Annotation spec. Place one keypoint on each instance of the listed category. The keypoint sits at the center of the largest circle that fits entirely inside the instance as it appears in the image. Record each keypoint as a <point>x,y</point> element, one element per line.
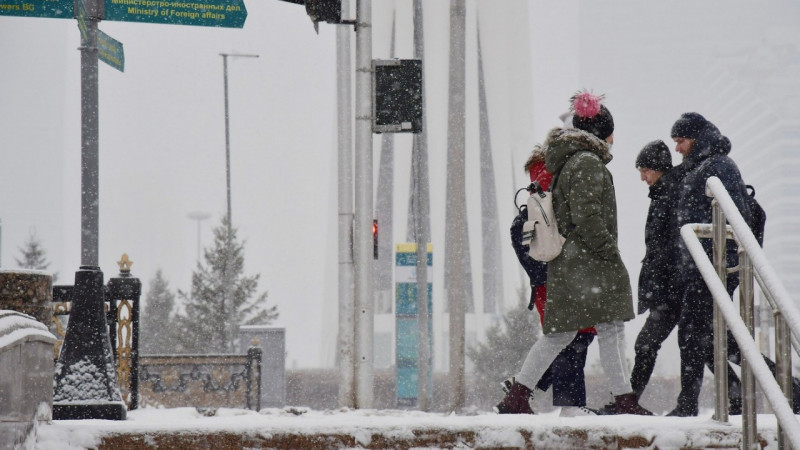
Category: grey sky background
<point>162,147</point>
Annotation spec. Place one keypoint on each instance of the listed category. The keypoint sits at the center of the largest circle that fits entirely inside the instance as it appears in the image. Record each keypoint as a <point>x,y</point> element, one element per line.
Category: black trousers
<point>659,324</point>
<point>696,343</point>
<point>566,375</point>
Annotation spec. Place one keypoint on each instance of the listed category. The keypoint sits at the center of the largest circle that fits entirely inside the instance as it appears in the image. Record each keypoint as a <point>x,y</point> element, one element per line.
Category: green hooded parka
<point>587,283</point>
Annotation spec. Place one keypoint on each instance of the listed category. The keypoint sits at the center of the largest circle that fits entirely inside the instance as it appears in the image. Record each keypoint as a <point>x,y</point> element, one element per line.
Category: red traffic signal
<point>375,238</point>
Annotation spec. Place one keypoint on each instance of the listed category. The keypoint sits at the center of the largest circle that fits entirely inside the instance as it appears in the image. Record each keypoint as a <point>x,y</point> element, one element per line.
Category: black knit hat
<point>655,156</point>
<point>590,116</point>
<point>688,126</point>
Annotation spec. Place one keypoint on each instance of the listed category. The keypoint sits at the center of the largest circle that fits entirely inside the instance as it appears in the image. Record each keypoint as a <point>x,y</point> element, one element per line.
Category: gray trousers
<point>610,337</point>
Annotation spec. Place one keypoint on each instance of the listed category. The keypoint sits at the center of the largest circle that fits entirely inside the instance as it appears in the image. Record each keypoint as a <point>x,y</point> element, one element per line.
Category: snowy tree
<point>221,298</point>
<point>506,345</point>
<point>33,255</point>
<point>157,334</point>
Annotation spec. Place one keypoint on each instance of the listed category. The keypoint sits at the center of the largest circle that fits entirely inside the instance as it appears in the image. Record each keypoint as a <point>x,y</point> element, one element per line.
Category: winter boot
<point>515,401</point>
<point>628,404</point>
<point>683,411</point>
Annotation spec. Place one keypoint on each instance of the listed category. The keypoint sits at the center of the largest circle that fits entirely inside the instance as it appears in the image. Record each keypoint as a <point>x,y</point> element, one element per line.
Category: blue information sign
<point>407,324</point>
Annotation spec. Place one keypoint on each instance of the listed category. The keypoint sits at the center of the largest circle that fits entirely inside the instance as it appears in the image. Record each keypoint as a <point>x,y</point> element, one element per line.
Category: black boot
<point>683,411</point>
<point>516,400</point>
<point>629,404</point>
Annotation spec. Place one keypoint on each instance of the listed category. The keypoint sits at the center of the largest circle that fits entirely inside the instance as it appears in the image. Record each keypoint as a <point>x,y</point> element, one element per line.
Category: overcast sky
<point>162,147</point>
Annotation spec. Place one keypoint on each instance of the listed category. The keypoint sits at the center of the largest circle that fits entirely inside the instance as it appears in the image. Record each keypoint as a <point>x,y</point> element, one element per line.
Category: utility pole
<point>457,243</point>
<point>346,339</point>
<point>228,301</point>
<point>421,227</point>
<point>362,245</point>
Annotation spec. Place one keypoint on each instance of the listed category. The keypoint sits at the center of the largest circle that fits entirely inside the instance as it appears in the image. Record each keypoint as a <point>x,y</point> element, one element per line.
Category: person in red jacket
<point>565,375</point>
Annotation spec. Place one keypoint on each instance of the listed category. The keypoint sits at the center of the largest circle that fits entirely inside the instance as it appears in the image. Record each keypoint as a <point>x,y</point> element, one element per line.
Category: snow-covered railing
<point>752,358</point>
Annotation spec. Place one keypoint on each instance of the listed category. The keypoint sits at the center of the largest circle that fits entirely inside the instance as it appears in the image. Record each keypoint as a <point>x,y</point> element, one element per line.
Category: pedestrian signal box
<point>397,96</point>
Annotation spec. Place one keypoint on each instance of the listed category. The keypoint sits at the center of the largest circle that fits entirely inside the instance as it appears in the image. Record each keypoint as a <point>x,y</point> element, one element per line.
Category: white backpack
<point>540,232</point>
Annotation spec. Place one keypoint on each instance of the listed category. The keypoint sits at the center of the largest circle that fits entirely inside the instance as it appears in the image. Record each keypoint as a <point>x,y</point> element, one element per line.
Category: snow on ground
<point>491,430</point>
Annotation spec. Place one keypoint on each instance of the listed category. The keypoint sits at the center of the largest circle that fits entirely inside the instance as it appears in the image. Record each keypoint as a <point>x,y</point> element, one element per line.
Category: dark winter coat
<point>587,283</point>
<point>658,278</point>
<point>708,157</point>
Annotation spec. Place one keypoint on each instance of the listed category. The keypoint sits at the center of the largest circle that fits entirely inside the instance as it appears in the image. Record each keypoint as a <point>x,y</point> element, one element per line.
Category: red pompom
<point>586,105</point>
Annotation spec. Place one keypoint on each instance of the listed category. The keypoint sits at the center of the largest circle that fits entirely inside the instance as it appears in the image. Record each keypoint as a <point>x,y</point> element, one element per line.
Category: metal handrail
<point>789,428</point>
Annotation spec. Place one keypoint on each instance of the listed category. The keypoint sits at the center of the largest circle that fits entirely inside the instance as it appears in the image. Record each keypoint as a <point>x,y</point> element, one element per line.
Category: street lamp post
<point>228,300</point>
<point>227,127</point>
<point>198,216</point>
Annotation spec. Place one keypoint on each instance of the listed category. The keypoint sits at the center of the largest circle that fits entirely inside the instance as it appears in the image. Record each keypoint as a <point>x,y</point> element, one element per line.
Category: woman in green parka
<point>587,283</point>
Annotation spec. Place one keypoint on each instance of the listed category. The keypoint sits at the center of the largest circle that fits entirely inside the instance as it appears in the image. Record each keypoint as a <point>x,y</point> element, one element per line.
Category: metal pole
<point>90,194</point>
<point>420,201</point>
<point>227,275</point>
<point>720,331</point>
<point>362,242</point>
<point>344,92</point>
<point>783,369</point>
<point>227,142</point>
<point>456,243</point>
<point>746,308</point>
<point>227,130</point>
<point>227,302</point>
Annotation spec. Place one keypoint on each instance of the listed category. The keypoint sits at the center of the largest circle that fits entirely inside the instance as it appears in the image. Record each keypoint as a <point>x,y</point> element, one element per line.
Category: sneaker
<point>576,411</point>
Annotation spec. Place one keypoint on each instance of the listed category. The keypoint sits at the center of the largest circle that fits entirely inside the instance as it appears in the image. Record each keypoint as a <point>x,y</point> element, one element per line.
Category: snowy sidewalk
<point>303,428</point>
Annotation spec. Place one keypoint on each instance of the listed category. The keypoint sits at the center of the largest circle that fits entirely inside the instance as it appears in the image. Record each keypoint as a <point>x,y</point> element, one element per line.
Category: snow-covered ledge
<point>26,376</point>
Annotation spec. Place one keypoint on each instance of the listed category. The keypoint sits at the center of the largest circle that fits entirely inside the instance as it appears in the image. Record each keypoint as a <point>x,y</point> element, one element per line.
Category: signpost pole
<point>89,140</point>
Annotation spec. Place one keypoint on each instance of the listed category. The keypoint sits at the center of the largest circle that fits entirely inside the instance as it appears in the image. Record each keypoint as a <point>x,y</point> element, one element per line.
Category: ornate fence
<point>232,381</point>
<point>167,380</point>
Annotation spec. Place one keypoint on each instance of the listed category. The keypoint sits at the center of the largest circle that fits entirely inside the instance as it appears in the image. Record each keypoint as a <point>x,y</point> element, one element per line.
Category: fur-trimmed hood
<point>561,144</point>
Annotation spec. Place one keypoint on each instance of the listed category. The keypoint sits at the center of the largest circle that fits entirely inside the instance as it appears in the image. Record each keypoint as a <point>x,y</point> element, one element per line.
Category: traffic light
<point>329,11</point>
<point>375,238</point>
<point>397,95</point>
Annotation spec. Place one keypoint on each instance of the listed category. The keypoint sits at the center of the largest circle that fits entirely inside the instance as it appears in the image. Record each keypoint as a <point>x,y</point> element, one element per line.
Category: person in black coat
<point>705,154</point>
<point>659,290</point>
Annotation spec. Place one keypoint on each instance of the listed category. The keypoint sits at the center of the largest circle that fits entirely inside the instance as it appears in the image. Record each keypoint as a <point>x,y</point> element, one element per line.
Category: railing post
<point>783,367</point>
<point>124,322</point>
<point>749,438</point>
<point>254,377</point>
<point>719,241</point>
